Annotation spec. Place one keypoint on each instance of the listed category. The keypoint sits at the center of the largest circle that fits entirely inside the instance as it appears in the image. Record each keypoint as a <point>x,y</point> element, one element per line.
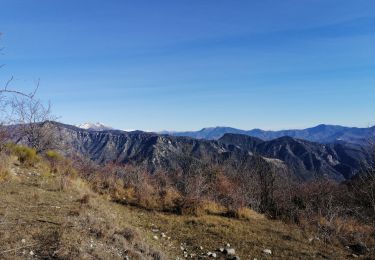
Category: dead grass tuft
<point>248,214</point>
<point>5,162</point>
<point>129,234</point>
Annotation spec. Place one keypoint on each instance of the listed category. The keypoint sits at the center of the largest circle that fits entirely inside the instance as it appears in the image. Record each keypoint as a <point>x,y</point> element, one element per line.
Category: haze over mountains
<point>321,133</point>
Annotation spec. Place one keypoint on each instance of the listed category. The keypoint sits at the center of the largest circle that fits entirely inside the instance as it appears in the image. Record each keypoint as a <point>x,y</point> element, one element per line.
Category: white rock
<point>163,235</point>
<point>31,252</point>
<point>230,251</point>
<point>23,241</point>
<point>227,245</point>
<point>156,237</point>
<point>267,251</point>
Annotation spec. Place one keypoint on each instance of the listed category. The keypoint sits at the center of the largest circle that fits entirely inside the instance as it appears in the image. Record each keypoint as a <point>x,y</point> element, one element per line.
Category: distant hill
<point>321,133</point>
<point>305,159</point>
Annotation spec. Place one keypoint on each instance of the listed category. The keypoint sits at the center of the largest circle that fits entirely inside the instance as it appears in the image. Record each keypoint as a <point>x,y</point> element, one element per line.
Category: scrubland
<point>52,207</point>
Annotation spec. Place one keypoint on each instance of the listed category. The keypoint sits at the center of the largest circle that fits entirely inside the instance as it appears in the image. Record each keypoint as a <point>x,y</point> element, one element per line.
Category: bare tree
<point>7,95</point>
<point>28,114</point>
<point>34,125</point>
<point>363,190</point>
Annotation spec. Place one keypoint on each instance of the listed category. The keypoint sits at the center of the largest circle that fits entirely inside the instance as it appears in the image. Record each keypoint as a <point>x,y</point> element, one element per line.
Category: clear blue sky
<point>188,64</point>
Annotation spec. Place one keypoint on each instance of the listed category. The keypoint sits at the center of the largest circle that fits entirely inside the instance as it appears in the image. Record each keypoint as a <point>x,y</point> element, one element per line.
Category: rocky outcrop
<point>306,160</point>
<point>338,161</point>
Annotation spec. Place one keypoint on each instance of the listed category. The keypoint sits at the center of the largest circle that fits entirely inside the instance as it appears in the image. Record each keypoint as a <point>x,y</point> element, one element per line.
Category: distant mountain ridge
<point>305,160</point>
<point>320,133</point>
<point>334,160</point>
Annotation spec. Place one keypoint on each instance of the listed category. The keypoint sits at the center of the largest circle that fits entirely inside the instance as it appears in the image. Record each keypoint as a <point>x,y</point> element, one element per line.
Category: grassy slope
<point>36,216</point>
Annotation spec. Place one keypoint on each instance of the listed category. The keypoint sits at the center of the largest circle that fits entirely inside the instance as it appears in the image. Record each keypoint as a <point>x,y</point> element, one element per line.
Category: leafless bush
<point>33,126</point>
<point>29,114</point>
<point>362,192</point>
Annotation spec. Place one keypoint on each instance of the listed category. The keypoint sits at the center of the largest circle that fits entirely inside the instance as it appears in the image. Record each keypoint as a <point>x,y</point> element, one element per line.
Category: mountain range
<point>321,133</point>
<point>304,159</point>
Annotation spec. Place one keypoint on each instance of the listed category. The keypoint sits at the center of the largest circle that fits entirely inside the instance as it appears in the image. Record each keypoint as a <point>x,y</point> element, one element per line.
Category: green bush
<point>26,155</point>
<point>53,155</point>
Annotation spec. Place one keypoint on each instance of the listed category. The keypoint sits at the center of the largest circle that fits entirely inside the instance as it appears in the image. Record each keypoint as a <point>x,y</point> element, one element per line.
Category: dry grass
<point>249,214</point>
<point>248,237</point>
<point>40,221</point>
<point>76,223</point>
<point>5,162</point>
<point>213,208</point>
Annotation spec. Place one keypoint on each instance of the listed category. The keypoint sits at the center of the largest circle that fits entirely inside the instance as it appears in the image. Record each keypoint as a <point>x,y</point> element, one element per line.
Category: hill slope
<point>307,159</point>
<point>338,161</point>
<point>40,221</point>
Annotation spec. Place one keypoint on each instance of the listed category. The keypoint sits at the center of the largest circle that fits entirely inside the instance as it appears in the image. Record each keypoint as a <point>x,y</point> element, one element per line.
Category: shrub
<point>187,206</point>
<point>67,173</point>
<point>26,155</point>
<point>246,213</point>
<point>4,167</point>
<point>213,208</point>
<point>147,196</point>
<point>129,234</point>
<point>169,197</point>
<point>85,199</point>
<point>54,158</point>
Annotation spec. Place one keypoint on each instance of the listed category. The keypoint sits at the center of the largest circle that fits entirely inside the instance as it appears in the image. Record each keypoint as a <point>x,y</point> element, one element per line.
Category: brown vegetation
<point>40,220</point>
<point>340,214</point>
<point>336,214</point>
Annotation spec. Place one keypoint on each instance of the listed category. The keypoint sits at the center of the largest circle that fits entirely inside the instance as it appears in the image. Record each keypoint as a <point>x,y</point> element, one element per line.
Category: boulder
<point>267,251</point>
<point>229,251</point>
<point>358,249</point>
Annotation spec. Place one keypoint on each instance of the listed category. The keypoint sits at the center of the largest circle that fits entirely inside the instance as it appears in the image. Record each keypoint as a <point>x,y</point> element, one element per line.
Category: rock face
<point>151,150</point>
<point>338,161</point>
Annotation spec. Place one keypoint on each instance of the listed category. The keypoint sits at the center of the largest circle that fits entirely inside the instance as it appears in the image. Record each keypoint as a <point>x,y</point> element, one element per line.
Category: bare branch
<point>17,92</point>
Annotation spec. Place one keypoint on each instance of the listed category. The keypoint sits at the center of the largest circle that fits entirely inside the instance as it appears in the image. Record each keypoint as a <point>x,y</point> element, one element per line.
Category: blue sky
<point>188,64</point>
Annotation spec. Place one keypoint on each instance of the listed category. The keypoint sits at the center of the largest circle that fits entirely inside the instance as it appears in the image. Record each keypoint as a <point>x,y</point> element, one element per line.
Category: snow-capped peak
<point>94,126</point>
